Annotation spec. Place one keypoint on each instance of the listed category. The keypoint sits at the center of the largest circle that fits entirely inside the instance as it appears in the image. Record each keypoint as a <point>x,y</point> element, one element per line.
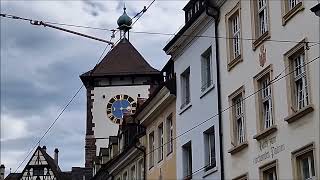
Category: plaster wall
<point>289,137</point>
<point>165,168</point>
<point>202,107</point>
<point>104,127</point>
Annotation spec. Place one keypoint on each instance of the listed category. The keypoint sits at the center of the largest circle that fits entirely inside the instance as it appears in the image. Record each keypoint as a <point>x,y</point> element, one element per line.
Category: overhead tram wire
<point>276,79</point>
<point>142,12</point>
<point>157,33</point>
<point>42,23</point>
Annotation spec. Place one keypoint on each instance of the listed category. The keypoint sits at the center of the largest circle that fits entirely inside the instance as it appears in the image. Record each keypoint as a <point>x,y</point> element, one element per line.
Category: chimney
<point>2,168</point>
<point>56,151</point>
<point>44,148</point>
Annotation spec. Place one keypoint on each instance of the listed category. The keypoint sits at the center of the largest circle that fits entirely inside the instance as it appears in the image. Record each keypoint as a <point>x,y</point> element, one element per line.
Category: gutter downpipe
<point>144,160</point>
<point>216,19</point>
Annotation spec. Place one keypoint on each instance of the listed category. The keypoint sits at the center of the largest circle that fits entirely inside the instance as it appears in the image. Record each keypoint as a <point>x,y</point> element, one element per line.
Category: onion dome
<point>124,20</point>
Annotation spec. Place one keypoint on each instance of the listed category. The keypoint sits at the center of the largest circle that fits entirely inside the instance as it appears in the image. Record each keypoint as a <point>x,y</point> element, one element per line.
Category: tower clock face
<point>120,105</point>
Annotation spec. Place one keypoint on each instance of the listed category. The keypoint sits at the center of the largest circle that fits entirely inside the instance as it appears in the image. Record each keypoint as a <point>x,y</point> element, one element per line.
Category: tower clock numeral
<point>125,97</point>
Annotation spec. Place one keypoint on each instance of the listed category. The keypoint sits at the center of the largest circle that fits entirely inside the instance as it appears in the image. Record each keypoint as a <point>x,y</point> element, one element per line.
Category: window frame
<point>125,173</point>
<point>296,155</point>
<point>267,167</point>
<point>210,153</point>
<point>262,130</point>
<point>259,37</point>
<point>233,131</point>
<point>187,161</point>
<point>140,169</point>
<point>206,69</point>
<point>170,133</point>
<point>185,88</point>
<point>151,149</point>
<point>296,113</point>
<point>133,175</point>
<point>233,61</point>
<point>160,142</point>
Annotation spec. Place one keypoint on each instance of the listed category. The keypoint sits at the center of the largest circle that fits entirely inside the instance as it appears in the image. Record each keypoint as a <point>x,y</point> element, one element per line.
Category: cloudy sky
<point>40,68</point>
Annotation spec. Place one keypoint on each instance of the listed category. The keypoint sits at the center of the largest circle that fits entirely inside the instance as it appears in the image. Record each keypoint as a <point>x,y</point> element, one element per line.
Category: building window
<point>292,3</point>
<point>189,15</point>
<point>304,165</point>
<point>290,8</point>
<point>260,22</point>
<point>140,170</point>
<point>185,88</point>
<point>233,23</point>
<point>160,142</point>
<point>269,171</point>
<point>263,16</point>
<point>235,35</point>
<point>238,116</point>
<point>133,173</point>
<point>196,6</point>
<point>187,160</point>
<point>206,71</point>
<point>151,150</point>
<point>239,119</point>
<point>300,81</point>
<point>210,152</point>
<point>38,171</point>
<point>264,99</point>
<point>298,84</point>
<point>125,176</point>
<point>169,134</point>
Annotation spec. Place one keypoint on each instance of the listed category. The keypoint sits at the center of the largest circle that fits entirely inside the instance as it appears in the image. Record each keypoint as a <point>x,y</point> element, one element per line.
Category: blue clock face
<point>120,105</point>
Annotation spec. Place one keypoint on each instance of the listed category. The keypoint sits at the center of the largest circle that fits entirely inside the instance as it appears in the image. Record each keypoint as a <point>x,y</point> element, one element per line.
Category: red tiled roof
<point>123,59</point>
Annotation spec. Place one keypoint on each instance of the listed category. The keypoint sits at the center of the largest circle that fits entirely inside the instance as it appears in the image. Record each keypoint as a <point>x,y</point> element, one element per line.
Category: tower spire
<point>124,22</point>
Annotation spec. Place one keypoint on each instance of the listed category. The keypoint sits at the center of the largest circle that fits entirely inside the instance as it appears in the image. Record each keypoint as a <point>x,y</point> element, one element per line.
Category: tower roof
<point>122,60</point>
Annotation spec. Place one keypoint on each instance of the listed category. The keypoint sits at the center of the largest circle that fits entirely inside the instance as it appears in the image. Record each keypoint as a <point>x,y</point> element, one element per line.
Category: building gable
<point>40,167</point>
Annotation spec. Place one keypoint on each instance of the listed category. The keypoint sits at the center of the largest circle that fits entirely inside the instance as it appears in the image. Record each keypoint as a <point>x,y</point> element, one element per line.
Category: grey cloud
<point>40,70</point>
<point>93,7</point>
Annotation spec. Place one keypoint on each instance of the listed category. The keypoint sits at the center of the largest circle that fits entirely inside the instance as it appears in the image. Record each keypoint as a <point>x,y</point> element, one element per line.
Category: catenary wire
<point>161,33</point>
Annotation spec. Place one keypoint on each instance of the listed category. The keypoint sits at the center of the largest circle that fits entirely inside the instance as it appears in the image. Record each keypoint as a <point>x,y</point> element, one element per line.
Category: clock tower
<point>113,87</point>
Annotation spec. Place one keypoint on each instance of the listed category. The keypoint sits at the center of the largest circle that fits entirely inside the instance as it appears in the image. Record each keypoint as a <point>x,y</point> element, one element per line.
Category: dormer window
<point>189,14</point>
<point>196,6</point>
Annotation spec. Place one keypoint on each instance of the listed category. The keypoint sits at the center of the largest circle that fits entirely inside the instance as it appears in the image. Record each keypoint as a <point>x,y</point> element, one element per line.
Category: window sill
<point>266,132</point>
<point>186,107</point>
<point>260,40</point>
<point>299,114</point>
<point>234,62</point>
<point>238,148</point>
<point>288,15</point>
<point>212,169</point>
<point>207,90</point>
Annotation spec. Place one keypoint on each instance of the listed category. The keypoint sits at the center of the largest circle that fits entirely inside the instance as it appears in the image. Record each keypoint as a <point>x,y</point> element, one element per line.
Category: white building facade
<point>198,149</point>
<point>270,89</point>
